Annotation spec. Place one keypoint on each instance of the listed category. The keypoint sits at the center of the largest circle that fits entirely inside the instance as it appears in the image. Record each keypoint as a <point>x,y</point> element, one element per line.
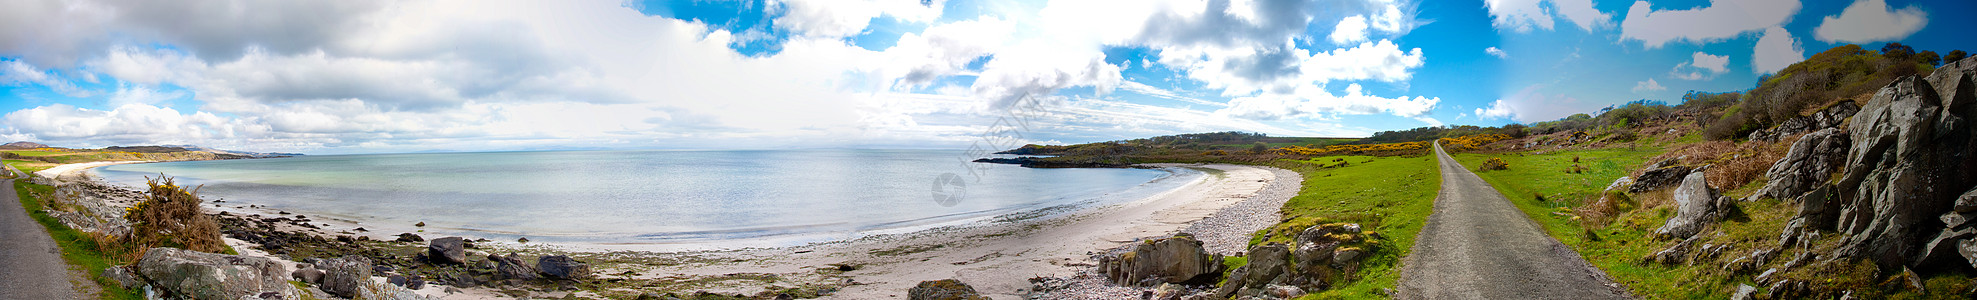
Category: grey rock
<point>200,275</point>
<point>1267,262</point>
<point>345,276</point>
<point>1955,220</point>
<point>562,267</point>
<point>447,250</point>
<point>1943,248</point>
<point>1172,260</point>
<point>123,276</point>
<point>415,283</point>
<point>1810,162</point>
<point>1283,291</point>
<point>1968,248</point>
<point>409,238</point>
<point>1658,178</point>
<point>310,276</point>
<point>512,267</point>
<point>1696,207</point>
<point>1744,292</point>
<point>944,289</point>
<point>1901,173</point>
<point>1967,202</point>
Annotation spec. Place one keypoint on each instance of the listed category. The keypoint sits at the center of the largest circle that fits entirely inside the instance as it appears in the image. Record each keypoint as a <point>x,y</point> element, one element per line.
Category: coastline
<point>999,255</point>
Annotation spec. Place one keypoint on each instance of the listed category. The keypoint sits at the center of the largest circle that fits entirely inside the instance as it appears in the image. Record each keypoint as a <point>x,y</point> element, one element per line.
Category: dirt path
<point>1478,246</point>
<point>30,265</point>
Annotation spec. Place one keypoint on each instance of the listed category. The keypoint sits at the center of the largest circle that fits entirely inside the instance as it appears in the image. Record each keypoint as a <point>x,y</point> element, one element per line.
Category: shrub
<point>1494,164</point>
<point>1259,147</point>
<point>169,216</point>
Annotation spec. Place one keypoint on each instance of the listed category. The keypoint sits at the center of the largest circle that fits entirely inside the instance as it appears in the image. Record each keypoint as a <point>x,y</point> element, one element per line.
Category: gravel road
<point>1477,245</point>
<point>30,265</point>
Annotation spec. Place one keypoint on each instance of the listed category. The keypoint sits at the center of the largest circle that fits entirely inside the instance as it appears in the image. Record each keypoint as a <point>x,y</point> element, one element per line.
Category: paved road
<point>30,265</point>
<point>1477,245</point>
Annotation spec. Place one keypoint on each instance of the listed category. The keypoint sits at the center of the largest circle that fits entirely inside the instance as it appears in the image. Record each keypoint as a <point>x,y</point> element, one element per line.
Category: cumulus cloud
<point>840,18</point>
<point>1350,30</point>
<point>1525,15</point>
<point>1775,50</point>
<point>1534,104</point>
<point>1314,101</point>
<point>1497,110</point>
<point>210,29</point>
<point>1649,86</point>
<point>16,72</point>
<point>1722,19</point>
<point>1702,66</point>
<point>1582,13</point>
<point>1868,21</point>
<point>1498,53</point>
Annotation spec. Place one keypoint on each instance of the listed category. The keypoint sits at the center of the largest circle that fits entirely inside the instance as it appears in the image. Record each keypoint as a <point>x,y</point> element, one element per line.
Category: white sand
<point>997,260</point>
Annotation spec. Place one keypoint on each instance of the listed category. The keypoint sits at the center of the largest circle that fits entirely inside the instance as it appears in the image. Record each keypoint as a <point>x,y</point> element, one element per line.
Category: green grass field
<point>1388,195</point>
<point>33,152</point>
<point>78,249</point>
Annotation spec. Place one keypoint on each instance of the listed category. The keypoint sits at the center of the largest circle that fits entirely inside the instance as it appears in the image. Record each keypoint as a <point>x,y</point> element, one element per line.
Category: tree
<point>1929,57</point>
<point>1260,147</point>
<point>1897,50</point>
<point>1955,55</point>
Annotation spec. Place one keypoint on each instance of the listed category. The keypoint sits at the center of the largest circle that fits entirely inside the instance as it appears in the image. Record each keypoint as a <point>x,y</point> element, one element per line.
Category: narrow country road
<point>30,265</point>
<point>1477,245</point>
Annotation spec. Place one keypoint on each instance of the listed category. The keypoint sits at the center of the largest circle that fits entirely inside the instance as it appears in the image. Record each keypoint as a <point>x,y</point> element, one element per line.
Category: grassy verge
<point>78,249</point>
<point>1391,196</point>
<point>1618,246</point>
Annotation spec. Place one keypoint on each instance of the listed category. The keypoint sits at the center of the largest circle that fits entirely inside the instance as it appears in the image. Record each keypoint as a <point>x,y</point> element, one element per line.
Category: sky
<point>360,76</point>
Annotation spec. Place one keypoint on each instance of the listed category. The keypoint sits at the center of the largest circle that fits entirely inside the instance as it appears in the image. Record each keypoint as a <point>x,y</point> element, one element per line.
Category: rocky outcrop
<point>562,267</point>
<point>1316,258</point>
<point>1830,117</point>
<point>85,206</point>
<point>1813,159</point>
<point>199,275</point>
<point>944,289</point>
<point>1658,178</point>
<point>1696,206</point>
<point>346,276</point>
<point>1171,260</point>
<point>447,250</point>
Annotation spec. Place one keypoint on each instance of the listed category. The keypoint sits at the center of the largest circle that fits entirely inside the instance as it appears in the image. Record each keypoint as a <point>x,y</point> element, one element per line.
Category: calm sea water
<point>695,199</point>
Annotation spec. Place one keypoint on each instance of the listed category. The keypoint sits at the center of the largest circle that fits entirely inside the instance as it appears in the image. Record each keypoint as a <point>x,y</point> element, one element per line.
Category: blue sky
<point>363,76</point>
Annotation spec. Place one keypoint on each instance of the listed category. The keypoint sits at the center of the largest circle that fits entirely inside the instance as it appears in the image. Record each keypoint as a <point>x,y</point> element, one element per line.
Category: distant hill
<point>23,145</point>
<point>240,153</point>
<point>147,149</point>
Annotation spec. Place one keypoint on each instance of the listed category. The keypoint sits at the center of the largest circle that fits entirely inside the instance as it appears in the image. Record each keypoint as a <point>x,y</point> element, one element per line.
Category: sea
<point>666,199</point>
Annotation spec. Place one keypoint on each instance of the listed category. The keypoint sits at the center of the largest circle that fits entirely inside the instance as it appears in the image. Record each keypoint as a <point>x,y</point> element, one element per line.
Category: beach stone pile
<point>1315,258</point>
<point>1175,259</point>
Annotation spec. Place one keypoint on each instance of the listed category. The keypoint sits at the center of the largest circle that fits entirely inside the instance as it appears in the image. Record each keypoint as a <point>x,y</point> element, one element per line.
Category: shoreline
<point>997,254</point>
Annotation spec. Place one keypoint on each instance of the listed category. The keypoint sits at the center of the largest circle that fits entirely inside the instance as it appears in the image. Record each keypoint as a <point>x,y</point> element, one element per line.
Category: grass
<point>34,152</point>
<point>1617,246</point>
<point>1391,196</point>
<point>78,249</point>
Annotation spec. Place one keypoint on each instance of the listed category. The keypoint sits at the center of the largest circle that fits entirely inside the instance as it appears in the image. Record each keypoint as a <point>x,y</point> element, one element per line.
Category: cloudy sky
<point>352,76</point>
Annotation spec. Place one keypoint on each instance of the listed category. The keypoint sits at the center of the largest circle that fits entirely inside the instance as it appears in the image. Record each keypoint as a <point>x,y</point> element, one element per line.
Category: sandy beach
<point>74,171</point>
<point>998,257</point>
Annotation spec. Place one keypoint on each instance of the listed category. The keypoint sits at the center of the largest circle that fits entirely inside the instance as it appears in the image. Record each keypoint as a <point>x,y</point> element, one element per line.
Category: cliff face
<point>1905,189</point>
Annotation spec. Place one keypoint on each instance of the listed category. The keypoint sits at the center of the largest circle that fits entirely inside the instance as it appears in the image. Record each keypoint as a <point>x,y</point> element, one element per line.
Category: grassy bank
<point>1391,196</point>
<point>78,249</point>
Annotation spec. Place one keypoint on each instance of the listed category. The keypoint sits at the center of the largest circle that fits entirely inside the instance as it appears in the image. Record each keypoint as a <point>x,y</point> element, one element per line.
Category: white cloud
<point>16,72</point>
<point>1497,110</point>
<point>1533,104</point>
<point>1307,102</point>
<point>1722,19</point>
<point>1350,30</point>
<point>1868,21</point>
<point>1149,90</point>
<point>139,94</point>
<point>841,18</point>
<point>1701,66</point>
<point>1582,13</point>
<point>1649,86</point>
<point>1776,50</point>
<point>1498,53</point>
<point>1519,15</point>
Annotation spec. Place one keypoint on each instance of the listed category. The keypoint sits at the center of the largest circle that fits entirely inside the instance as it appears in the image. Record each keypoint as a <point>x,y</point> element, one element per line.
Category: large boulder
<point>447,250</point>
<point>944,289</point>
<point>562,267</point>
<point>1658,178</point>
<point>1696,206</point>
<point>345,276</point>
<point>1812,160</point>
<point>1266,262</point>
<point>512,267</point>
<point>1172,260</point>
<point>200,275</point>
<point>1907,162</point>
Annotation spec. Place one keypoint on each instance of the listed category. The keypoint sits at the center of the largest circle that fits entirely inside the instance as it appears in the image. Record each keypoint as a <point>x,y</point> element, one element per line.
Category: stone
<point>1943,249</point>
<point>345,276</point>
<point>397,280</point>
<point>944,289</point>
<point>1266,262</point>
<point>415,283</point>
<point>447,250</point>
<point>1954,220</point>
<point>1809,163</point>
<point>1696,207</point>
<point>123,276</point>
<point>1902,171</point>
<point>410,238</point>
<point>310,276</point>
<point>200,275</point>
<point>1175,259</point>
<point>512,267</point>
<point>1658,178</point>
<point>1744,292</point>
<point>1968,248</point>
<point>1966,202</point>
<point>562,267</point>
<point>1283,291</point>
